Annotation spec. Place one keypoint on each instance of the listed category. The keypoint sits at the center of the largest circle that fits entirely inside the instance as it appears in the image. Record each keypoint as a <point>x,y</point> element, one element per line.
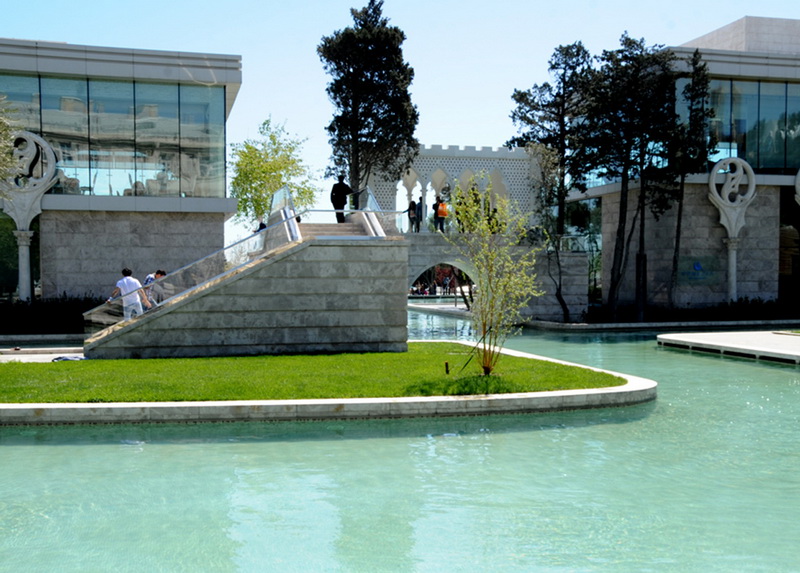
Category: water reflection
<point>429,326</point>
<point>703,479</point>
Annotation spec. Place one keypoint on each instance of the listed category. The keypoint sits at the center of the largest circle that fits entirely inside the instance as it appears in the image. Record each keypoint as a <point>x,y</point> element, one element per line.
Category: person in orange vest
<point>441,214</point>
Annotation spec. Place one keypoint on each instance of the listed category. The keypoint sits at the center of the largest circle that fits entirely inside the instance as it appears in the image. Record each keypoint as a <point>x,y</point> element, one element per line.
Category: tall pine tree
<point>373,127</point>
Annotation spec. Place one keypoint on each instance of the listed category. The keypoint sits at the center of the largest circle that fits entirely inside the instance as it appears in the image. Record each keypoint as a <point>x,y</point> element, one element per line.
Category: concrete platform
<point>779,346</point>
<point>635,391</point>
<point>39,354</point>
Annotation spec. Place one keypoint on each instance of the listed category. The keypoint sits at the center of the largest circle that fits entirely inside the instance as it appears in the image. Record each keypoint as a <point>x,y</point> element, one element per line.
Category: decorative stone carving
<point>34,174</point>
<point>797,187</point>
<point>732,203</point>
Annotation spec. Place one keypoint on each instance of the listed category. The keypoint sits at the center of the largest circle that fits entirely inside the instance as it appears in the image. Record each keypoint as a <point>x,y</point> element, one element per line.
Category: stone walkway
<point>781,346</point>
<point>42,354</point>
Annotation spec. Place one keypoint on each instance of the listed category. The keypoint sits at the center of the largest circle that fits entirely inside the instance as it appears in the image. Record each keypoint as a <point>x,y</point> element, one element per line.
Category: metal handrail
<point>193,275</point>
<point>282,228</point>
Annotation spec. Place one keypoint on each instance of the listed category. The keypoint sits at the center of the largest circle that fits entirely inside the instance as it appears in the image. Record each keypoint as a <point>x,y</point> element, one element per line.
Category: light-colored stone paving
<point>24,354</point>
<point>782,346</point>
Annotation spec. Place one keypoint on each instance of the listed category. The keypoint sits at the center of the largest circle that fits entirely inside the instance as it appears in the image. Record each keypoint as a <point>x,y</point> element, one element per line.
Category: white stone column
<point>24,247</point>
<point>733,246</point>
<point>732,203</point>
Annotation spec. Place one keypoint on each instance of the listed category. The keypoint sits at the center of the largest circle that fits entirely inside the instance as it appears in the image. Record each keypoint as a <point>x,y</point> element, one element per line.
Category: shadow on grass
<point>462,386</point>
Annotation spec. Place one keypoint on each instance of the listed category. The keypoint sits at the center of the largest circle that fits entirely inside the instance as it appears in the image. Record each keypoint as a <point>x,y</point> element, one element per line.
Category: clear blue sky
<point>468,55</point>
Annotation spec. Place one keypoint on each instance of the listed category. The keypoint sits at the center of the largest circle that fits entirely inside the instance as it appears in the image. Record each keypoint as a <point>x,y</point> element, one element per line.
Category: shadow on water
<point>232,432</point>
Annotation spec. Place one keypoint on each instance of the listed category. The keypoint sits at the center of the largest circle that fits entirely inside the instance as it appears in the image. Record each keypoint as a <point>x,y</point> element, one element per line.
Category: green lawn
<point>419,372</point>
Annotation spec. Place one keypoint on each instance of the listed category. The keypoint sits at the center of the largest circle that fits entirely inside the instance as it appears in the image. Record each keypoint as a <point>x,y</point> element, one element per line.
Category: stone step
<point>327,229</point>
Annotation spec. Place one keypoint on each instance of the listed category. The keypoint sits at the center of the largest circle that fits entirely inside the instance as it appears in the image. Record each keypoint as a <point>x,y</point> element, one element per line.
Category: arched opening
<point>408,189</point>
<point>442,283</point>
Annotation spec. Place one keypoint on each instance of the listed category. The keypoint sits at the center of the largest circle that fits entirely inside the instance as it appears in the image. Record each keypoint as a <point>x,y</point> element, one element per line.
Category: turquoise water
<point>704,479</point>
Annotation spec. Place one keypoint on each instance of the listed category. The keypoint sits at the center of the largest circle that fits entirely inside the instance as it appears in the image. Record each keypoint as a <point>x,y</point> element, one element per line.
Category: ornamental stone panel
<point>439,166</point>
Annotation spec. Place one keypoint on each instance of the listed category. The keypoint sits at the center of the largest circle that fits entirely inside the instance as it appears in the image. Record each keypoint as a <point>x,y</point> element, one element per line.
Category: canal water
<point>703,479</point>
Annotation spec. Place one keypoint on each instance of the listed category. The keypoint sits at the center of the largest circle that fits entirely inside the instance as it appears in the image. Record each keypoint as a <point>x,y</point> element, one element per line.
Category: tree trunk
<point>673,279</point>
<point>617,266</point>
<point>641,259</point>
<point>558,280</point>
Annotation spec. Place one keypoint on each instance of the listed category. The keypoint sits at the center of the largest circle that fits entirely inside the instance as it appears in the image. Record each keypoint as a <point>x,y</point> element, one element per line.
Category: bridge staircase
<point>292,288</point>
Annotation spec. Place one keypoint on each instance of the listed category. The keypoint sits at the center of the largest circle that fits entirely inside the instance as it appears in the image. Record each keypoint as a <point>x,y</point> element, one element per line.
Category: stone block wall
<point>316,297</point>
<point>703,259</point>
<point>83,252</point>
<point>574,287</point>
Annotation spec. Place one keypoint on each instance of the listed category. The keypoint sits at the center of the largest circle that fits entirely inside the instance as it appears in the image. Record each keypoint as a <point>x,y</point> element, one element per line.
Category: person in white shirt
<point>132,295</point>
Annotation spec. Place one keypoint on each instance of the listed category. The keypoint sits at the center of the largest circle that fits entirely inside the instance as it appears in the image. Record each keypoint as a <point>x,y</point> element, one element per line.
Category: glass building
<point>139,143</point>
<point>759,121</point>
<point>125,137</point>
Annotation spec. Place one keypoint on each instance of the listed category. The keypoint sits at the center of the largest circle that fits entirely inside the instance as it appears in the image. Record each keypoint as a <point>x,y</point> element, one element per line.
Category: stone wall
<point>703,259</point>
<point>323,296</point>
<point>574,287</point>
<point>83,252</point>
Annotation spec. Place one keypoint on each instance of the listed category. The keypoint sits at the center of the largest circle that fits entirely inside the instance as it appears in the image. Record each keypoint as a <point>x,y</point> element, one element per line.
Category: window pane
<point>65,125</point>
<point>772,127</point>
<point>793,127</point>
<point>157,139</point>
<point>720,124</point>
<point>745,120</point>
<point>22,100</point>
<point>202,141</point>
<point>111,131</point>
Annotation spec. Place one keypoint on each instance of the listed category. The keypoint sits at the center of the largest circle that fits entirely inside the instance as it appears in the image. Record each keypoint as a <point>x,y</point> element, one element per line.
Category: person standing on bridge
<point>339,194</point>
<point>413,222</point>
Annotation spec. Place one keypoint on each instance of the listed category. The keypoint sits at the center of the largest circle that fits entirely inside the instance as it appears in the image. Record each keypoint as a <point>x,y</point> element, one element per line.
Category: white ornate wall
<point>437,166</point>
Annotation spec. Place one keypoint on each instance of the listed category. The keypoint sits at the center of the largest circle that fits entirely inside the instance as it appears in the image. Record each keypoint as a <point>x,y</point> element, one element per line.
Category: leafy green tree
<point>546,185</point>
<point>630,120</point>
<point>692,145</point>
<point>262,166</point>
<point>373,127</point>
<point>550,115</point>
<point>502,271</point>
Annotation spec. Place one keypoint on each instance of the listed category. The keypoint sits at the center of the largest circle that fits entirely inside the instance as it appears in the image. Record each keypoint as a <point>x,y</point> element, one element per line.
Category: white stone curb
<point>637,390</point>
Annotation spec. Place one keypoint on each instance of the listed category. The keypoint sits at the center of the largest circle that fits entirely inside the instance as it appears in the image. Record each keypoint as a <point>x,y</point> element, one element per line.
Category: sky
<point>468,55</point>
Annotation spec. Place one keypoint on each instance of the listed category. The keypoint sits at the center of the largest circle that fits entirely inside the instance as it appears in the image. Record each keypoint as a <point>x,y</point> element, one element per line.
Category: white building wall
<point>437,166</point>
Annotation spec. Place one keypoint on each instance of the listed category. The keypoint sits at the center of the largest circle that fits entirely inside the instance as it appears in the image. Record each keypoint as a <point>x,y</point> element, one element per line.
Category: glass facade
<point>758,121</point>
<point>125,138</point>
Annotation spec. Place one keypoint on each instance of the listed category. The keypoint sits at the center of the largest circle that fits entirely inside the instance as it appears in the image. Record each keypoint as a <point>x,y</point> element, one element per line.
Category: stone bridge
<point>426,250</point>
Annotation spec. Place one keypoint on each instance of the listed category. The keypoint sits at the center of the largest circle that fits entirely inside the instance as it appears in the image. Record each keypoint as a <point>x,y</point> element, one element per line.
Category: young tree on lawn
<point>373,126</point>
<point>262,166</point>
<point>503,272</point>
